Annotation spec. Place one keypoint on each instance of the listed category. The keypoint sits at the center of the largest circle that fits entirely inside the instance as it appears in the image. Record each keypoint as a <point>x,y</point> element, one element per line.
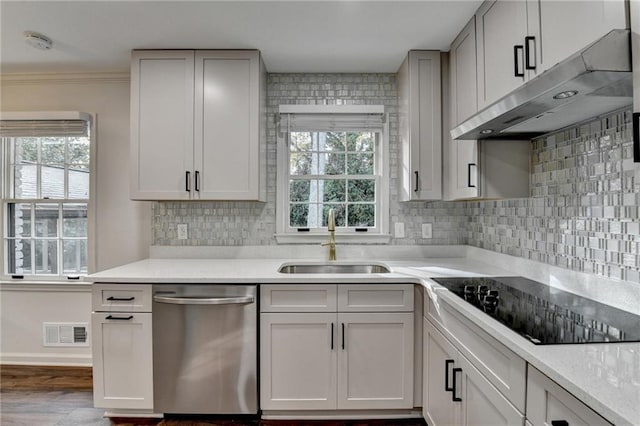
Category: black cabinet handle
<point>453,394</point>
<point>516,62</point>
<point>187,182</point>
<point>120,299</point>
<point>415,188</point>
<point>197,181</point>
<point>447,386</point>
<point>343,336</point>
<point>331,336</point>
<point>111,317</point>
<point>469,175</point>
<point>559,423</point>
<point>636,137</point>
<point>528,64</point>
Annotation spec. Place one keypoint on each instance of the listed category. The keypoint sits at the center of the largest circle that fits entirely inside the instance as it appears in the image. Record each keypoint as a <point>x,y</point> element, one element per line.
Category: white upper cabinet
<point>197,125</point>
<point>558,29</point>
<point>501,29</point>
<point>420,122</point>
<point>161,124</point>
<point>462,74</point>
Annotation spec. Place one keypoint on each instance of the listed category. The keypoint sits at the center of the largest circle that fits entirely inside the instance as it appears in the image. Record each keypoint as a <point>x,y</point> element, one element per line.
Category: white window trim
<point>91,204</point>
<point>283,237</point>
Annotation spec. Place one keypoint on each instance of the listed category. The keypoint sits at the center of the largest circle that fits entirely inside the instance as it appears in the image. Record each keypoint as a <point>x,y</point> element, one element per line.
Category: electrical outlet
<point>399,230</point>
<point>183,231</point>
<point>427,232</point>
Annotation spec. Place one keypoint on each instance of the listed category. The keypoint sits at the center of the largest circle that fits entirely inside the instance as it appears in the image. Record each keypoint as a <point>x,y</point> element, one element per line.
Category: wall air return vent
<point>65,334</point>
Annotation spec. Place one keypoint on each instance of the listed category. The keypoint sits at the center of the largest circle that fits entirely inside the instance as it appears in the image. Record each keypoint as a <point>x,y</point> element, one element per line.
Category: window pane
<point>78,151</point>
<point>74,256</point>
<point>362,215</point>
<point>299,215</point>
<point>52,180</point>
<point>79,181</point>
<point>362,190</point>
<point>52,150</point>
<point>331,164</point>
<point>360,164</point>
<point>331,141</point>
<point>300,141</point>
<point>301,164</point>
<point>19,220</point>
<point>303,190</point>
<point>46,220</point>
<point>26,150</point>
<point>74,221</point>
<point>19,256</point>
<point>361,142</point>
<point>338,211</point>
<point>46,256</point>
<point>25,181</point>
<point>332,190</point>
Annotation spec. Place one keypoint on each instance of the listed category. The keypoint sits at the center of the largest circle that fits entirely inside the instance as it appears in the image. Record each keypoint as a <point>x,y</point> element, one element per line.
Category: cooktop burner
<point>543,314</point>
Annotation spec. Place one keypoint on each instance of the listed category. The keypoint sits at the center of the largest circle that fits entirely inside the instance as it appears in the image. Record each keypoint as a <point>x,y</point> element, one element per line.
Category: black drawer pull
<point>331,336</point>
<point>469,175</point>
<point>455,398</point>
<point>343,336</point>
<point>120,299</point>
<point>415,189</point>
<point>559,423</point>
<point>528,64</point>
<point>447,386</point>
<point>516,62</point>
<point>111,317</point>
<point>187,182</point>
<point>197,181</point>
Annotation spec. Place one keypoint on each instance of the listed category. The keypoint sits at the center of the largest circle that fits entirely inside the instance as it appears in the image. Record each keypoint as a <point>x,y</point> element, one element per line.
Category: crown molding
<point>65,78</point>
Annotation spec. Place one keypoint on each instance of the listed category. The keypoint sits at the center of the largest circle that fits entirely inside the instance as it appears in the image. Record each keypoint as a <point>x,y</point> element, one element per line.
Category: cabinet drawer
<point>121,298</point>
<point>548,403</point>
<point>375,298</point>
<point>298,298</point>
<point>503,368</point>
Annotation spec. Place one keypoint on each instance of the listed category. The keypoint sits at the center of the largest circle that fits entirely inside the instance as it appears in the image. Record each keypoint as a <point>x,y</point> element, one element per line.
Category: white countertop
<point>605,377</point>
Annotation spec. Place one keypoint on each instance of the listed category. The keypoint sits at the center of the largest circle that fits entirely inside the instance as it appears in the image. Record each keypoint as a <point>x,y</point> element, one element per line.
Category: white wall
<point>122,228</point>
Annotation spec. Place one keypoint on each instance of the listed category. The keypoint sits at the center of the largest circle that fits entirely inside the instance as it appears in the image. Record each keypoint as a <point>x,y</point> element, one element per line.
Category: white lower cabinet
<point>336,360</point>
<point>550,405</point>
<point>122,360</point>
<point>455,392</point>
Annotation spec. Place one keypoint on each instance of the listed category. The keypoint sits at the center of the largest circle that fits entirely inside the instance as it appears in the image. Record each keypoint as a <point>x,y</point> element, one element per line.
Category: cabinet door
<point>548,403</point>
<point>482,403</point>
<point>561,28</point>
<point>501,26</point>
<point>375,362</point>
<point>161,124</point>
<point>227,125</point>
<point>420,123</point>
<point>464,162</point>
<point>122,360</point>
<point>463,72</point>
<point>440,356</point>
<point>298,356</point>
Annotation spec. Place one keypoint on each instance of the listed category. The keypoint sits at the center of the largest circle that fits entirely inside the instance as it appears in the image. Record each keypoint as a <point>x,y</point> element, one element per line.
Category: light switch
<point>427,230</point>
<point>183,231</point>
<point>399,230</point>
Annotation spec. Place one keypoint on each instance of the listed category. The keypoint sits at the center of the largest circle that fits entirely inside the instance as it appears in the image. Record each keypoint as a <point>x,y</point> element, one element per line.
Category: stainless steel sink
<point>334,268</point>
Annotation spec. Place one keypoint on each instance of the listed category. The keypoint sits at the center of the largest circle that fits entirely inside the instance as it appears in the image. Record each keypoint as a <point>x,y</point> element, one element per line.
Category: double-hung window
<point>46,185</point>
<point>333,157</point>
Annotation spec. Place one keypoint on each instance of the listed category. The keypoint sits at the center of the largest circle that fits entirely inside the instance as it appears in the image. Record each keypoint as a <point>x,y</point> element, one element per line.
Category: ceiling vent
<point>37,40</point>
<point>65,334</point>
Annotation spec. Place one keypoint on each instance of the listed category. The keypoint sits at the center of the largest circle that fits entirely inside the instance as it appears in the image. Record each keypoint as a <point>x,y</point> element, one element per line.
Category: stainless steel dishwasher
<point>204,349</point>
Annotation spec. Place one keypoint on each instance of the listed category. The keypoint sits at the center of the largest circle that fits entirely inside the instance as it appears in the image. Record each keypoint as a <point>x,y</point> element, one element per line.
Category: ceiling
<point>293,36</point>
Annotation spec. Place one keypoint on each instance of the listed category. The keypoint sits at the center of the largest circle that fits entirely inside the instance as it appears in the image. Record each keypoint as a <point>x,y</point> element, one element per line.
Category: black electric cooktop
<point>545,315</point>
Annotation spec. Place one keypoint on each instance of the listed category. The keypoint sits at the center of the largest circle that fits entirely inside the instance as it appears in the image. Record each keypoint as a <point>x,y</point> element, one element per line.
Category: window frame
<point>376,235</point>
<point>5,190</point>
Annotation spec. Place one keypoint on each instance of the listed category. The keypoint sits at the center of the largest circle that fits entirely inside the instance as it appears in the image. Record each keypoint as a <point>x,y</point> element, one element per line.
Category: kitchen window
<point>46,195</point>
<point>333,157</point>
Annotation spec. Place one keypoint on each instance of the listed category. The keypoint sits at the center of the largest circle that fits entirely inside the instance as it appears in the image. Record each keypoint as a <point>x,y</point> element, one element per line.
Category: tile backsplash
<point>583,213</point>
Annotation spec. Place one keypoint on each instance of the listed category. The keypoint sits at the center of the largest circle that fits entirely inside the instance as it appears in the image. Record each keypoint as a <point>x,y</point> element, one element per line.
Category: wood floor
<point>62,396</point>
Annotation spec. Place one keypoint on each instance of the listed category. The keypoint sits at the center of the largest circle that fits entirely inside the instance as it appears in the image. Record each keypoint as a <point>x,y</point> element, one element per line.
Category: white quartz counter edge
<point>571,366</point>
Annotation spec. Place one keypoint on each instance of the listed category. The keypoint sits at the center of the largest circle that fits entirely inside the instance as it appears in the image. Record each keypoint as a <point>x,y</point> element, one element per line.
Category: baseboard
<point>48,359</point>
<point>342,414</point>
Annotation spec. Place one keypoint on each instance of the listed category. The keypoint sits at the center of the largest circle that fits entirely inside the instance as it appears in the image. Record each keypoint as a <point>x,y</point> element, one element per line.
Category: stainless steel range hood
<point>600,74</point>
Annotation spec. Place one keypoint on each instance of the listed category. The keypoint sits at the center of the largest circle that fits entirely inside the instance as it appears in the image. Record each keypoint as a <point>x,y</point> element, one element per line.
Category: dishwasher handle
<point>240,300</point>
